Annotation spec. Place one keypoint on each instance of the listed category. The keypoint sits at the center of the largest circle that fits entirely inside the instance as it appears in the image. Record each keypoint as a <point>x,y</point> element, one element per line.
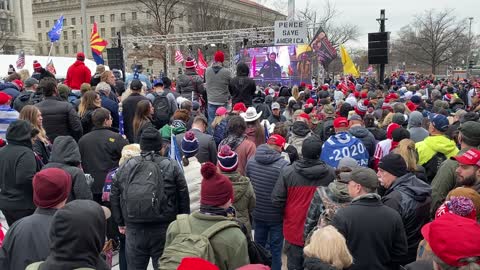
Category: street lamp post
<point>469,44</point>
<point>83,6</point>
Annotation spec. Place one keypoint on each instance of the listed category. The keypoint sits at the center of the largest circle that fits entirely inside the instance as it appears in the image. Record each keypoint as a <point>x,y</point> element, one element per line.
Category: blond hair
<point>406,149</point>
<point>295,92</point>
<point>30,113</point>
<point>217,120</point>
<point>387,120</point>
<point>129,151</point>
<point>328,245</point>
<point>24,74</point>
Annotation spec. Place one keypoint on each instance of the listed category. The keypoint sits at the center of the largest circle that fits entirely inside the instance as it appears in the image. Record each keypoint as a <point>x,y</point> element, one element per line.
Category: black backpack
<point>431,167</point>
<point>162,111</point>
<point>144,191</point>
<point>26,98</point>
<point>328,130</point>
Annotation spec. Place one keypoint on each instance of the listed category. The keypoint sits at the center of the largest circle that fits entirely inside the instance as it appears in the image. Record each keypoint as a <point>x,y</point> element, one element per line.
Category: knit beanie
<point>150,140</point>
<point>50,187</point>
<point>227,159</point>
<point>219,57</point>
<point>394,164</point>
<point>36,65</point>
<point>468,193</point>
<point>195,264</point>
<point>189,144</point>
<point>311,148</point>
<point>459,205</point>
<point>216,189</point>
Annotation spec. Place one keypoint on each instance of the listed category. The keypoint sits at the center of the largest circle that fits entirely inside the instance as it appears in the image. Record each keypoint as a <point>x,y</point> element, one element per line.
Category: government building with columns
<point>16,27</point>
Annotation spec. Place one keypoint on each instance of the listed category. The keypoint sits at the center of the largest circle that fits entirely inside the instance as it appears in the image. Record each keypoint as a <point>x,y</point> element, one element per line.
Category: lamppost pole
<point>83,6</point>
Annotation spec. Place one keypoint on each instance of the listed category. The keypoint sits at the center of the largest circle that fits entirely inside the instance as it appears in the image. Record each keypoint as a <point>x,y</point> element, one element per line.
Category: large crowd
<point>223,173</point>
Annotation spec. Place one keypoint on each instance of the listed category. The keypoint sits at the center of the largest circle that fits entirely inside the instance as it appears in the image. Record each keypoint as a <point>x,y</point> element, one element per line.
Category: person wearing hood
<point>300,132</point>
<point>217,81</point>
<point>242,88</point>
<point>244,196</point>
<point>66,156</point>
<point>294,191</point>
<point>263,170</point>
<point>78,73</point>
<point>190,84</point>
<point>409,196</point>
<point>358,130</point>
<point>17,168</point>
<point>77,237</point>
<point>437,147</point>
<point>335,194</point>
<point>417,132</point>
<point>27,240</point>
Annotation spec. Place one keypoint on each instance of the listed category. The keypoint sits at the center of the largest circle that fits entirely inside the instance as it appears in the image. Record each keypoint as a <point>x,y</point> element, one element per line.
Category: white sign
<point>290,32</point>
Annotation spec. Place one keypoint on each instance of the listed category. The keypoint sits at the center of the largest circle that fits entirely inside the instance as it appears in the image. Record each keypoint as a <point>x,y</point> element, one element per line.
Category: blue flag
<point>174,151</point>
<point>56,31</point>
<point>120,120</point>
<point>98,58</point>
<point>267,134</point>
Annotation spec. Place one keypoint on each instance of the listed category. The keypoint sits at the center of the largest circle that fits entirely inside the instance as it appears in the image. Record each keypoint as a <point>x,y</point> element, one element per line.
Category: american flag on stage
<point>178,56</point>
<point>50,67</point>
<point>21,59</point>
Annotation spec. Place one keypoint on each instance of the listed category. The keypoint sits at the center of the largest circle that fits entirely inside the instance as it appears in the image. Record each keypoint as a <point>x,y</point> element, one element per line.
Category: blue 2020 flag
<point>56,31</point>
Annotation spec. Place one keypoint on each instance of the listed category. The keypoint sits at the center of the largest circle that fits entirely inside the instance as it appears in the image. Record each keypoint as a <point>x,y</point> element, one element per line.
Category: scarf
<point>217,211</point>
<point>232,141</point>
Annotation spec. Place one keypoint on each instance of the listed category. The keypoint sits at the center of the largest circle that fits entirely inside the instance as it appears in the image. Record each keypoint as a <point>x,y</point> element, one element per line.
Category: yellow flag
<point>348,65</point>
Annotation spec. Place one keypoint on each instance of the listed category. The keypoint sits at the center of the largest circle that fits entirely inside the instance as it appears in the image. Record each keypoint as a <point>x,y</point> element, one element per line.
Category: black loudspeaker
<point>378,48</point>
<point>115,58</point>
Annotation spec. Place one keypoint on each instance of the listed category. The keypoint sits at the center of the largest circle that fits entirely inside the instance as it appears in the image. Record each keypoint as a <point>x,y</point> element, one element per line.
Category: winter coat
<point>273,119</point>
<point>260,105</point>
<point>194,181</point>
<point>77,74</point>
<point>60,118</point>
<point>337,194</point>
<point>263,170</point>
<point>366,137</point>
<point>343,145</point>
<point>138,135</point>
<point>188,83</point>
<point>27,98</point>
<point>129,106</point>
<point>111,106</point>
<point>294,191</point>
<point>378,133</point>
<point>10,89</point>
<point>207,148</point>
<point>86,120</point>
<point>42,150</point>
<point>411,198</point>
<point>435,144</point>
<point>244,198</point>
<point>66,156</point>
<point>7,116</point>
<point>445,180</point>
<point>419,265</point>
<point>27,240</point>
<point>418,134</point>
<point>242,88</point>
<point>101,149</point>
<point>42,74</point>
<point>96,79</point>
<point>217,80</point>
<point>300,131</point>
<point>374,232</point>
<point>311,263</point>
<point>229,245</point>
<point>175,191</point>
<point>245,151</point>
<point>17,168</point>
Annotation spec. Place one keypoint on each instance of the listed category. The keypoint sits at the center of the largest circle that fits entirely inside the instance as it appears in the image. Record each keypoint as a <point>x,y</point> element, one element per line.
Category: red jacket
<point>77,74</point>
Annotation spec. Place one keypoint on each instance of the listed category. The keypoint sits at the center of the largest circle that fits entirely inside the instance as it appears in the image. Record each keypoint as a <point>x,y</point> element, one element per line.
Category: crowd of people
<point>222,173</point>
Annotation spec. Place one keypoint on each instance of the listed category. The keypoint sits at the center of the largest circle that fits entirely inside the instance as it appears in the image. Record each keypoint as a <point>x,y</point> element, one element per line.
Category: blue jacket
<point>263,170</point>
<point>343,145</point>
<point>112,106</point>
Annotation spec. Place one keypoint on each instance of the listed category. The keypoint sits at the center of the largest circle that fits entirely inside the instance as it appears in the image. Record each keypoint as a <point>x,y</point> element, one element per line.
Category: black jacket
<point>17,168</point>
<point>316,264</point>
<point>27,240</point>
<point>207,148</point>
<point>86,120</point>
<point>60,118</point>
<point>242,88</point>
<point>366,137</point>
<point>411,198</point>
<point>42,74</point>
<point>374,232</point>
<point>66,156</point>
<point>263,170</point>
<point>129,105</point>
<point>273,119</point>
<point>188,83</point>
<point>101,149</point>
<point>175,191</point>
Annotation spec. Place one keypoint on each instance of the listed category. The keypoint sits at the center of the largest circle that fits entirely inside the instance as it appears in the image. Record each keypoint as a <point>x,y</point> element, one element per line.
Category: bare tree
<point>209,15</point>
<point>4,41</point>
<point>434,38</point>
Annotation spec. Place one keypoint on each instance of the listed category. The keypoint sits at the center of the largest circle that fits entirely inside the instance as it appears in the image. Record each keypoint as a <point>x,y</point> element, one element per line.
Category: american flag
<point>21,60</point>
<point>178,56</point>
<point>50,67</point>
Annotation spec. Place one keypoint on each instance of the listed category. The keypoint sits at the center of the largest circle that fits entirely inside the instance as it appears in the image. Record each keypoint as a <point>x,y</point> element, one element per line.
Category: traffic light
<point>470,64</point>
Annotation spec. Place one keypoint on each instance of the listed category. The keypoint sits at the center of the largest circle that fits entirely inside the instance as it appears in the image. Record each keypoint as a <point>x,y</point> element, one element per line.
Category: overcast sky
<point>399,12</point>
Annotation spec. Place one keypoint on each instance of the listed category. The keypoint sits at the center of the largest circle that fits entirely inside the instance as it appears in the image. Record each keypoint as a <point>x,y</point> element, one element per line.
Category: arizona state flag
<point>97,44</point>
<point>348,66</point>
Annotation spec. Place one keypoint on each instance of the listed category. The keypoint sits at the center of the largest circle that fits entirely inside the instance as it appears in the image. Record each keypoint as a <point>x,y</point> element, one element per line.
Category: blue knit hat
<point>189,144</point>
<point>227,159</point>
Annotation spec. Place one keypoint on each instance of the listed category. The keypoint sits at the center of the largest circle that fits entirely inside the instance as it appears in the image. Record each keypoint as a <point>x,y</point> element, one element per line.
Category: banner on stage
<point>290,32</point>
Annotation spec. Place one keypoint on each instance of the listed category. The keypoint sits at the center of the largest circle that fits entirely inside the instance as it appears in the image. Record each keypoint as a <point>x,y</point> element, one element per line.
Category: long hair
<point>24,74</point>
<point>217,120</point>
<point>328,245</point>
<point>295,92</point>
<point>142,114</point>
<point>259,132</point>
<point>30,113</point>
<point>406,149</point>
<point>387,119</point>
<point>88,102</point>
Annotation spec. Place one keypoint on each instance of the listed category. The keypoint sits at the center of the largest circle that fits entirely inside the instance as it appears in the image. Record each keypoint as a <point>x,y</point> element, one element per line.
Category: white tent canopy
<point>61,64</point>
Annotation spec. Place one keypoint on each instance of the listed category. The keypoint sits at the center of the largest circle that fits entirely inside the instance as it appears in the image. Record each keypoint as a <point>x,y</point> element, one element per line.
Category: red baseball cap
<point>19,83</point>
<point>277,140</point>
<point>340,122</point>
<point>310,101</point>
<point>305,116</point>
<point>471,157</point>
<point>4,98</point>
<point>453,238</point>
<point>240,106</point>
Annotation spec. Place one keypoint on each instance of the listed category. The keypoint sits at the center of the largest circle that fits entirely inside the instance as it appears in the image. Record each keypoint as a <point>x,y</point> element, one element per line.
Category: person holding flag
<point>190,84</point>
